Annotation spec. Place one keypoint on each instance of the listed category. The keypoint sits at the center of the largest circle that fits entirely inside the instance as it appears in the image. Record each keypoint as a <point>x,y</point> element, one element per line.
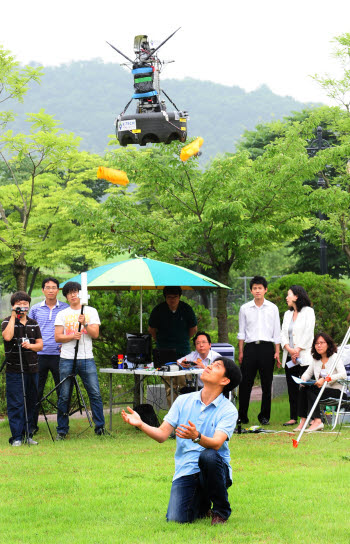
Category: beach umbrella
<point>144,273</point>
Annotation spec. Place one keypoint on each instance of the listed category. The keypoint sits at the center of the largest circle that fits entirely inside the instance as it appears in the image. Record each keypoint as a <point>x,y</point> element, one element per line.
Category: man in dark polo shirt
<point>172,323</point>
<point>26,332</point>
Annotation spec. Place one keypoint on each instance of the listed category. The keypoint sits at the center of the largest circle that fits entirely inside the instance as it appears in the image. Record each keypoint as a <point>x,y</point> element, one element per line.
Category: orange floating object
<point>191,149</point>
<point>118,177</point>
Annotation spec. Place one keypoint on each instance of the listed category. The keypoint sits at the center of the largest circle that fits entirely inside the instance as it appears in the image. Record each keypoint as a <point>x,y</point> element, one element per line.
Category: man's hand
<point>184,364</point>
<point>277,358</point>
<point>187,431</point>
<point>81,319</point>
<point>27,345</point>
<point>133,418</point>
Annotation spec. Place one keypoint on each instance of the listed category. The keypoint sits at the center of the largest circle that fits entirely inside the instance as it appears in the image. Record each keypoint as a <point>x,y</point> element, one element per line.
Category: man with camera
<point>22,340</point>
<point>204,422</point>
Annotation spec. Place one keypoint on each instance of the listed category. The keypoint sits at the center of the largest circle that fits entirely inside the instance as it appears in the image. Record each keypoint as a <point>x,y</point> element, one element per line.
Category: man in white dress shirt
<point>259,330</point>
<point>203,354</point>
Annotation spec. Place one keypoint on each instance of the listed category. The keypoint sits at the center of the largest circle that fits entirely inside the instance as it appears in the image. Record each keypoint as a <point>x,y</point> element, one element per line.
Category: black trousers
<point>257,357</point>
<point>308,395</point>
<point>293,388</point>
<point>46,363</point>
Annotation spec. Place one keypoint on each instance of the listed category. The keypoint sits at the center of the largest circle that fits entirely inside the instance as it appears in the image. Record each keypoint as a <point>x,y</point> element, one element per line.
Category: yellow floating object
<point>191,149</point>
<point>118,177</point>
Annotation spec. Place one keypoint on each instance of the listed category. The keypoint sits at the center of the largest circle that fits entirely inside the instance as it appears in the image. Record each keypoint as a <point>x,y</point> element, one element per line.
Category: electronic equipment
<point>163,356</point>
<point>139,349</point>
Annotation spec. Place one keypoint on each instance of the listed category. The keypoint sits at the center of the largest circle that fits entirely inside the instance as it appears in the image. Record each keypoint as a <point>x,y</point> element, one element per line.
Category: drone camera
<point>151,123</point>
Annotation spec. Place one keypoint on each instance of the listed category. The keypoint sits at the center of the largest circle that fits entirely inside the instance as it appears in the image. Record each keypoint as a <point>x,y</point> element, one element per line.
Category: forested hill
<point>87,96</point>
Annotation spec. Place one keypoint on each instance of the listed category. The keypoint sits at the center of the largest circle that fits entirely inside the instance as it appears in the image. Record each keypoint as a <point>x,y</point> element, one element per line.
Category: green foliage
<point>208,220</point>
<point>330,299</point>
<point>339,88</point>
<point>38,210</point>
<point>14,83</point>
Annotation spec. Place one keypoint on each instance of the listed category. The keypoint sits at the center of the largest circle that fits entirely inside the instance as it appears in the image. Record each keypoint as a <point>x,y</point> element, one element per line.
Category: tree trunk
<point>204,298</point>
<point>32,281</point>
<point>222,305</point>
<point>20,272</point>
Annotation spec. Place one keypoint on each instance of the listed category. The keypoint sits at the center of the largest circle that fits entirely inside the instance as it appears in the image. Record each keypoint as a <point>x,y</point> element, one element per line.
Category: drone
<point>151,123</point>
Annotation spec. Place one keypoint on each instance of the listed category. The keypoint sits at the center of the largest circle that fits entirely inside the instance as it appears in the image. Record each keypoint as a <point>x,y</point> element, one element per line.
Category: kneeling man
<point>204,422</point>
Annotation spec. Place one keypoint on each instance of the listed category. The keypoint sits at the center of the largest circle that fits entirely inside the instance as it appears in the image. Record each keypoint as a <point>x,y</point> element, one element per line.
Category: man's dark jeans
<point>192,496</point>
<point>15,402</point>
<point>46,363</point>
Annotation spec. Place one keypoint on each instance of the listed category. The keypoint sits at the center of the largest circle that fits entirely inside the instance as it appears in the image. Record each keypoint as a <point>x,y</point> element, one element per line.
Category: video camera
<point>20,310</point>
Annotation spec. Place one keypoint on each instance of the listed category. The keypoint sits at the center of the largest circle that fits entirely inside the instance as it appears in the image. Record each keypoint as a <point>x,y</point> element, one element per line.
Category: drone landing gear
<point>153,127</point>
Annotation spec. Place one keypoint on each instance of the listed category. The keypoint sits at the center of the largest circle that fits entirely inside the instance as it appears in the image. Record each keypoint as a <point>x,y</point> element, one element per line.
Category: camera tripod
<point>73,385</point>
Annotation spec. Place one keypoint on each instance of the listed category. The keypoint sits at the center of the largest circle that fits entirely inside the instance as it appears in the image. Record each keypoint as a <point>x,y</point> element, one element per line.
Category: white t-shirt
<point>68,318</point>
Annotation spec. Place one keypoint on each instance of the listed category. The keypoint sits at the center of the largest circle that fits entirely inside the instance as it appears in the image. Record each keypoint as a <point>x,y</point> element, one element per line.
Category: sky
<point>247,43</point>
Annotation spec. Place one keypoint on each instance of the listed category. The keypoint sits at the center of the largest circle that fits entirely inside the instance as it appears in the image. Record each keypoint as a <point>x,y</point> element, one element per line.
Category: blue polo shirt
<point>46,319</point>
<point>219,415</point>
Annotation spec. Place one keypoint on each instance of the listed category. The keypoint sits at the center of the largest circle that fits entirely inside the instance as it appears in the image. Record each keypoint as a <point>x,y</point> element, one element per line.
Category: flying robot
<point>151,123</point>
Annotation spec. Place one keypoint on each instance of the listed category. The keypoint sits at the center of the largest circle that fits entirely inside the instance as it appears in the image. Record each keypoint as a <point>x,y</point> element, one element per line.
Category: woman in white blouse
<point>298,329</point>
<point>324,352</point>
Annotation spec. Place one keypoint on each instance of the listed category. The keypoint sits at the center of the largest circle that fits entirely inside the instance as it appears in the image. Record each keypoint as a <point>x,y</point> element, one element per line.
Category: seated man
<point>202,356</point>
<point>204,422</point>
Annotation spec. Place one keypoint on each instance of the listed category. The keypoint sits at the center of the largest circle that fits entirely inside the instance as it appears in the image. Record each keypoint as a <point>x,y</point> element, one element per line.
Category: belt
<point>262,342</point>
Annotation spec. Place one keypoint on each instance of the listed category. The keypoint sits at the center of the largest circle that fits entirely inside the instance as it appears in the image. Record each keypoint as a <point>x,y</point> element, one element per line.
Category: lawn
<point>114,489</point>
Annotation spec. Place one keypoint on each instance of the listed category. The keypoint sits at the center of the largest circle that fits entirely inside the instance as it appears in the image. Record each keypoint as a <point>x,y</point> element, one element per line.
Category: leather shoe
<point>218,520</point>
<point>318,427</point>
<point>291,422</point>
<point>264,421</point>
<point>244,420</point>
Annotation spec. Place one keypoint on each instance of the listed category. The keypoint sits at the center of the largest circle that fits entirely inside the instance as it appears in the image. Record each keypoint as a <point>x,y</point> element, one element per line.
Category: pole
<point>141,310</point>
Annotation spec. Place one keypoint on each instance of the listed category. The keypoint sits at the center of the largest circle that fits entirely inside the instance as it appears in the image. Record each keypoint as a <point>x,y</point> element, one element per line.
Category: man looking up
<point>25,332</point>
<point>259,329</point>
<point>66,332</point>
<point>48,359</point>
<point>203,354</point>
<point>172,323</point>
<point>204,422</point>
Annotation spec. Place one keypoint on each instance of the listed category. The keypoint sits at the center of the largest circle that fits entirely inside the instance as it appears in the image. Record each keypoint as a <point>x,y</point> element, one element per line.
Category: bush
<point>330,299</point>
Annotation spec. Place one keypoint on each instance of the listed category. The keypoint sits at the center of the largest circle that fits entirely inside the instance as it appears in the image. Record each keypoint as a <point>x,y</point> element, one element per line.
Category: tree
<point>225,215</point>
<point>37,209</point>
<point>305,249</point>
<point>14,82</point>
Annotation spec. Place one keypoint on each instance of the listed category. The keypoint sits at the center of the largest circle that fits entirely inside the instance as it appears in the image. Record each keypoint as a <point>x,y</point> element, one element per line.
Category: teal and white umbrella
<point>143,273</point>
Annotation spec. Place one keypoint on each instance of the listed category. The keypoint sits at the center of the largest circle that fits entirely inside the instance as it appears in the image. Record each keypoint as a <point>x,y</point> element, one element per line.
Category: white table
<point>146,373</point>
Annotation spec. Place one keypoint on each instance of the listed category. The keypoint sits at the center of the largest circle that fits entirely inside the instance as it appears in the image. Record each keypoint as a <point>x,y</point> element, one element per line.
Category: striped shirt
<point>46,316</point>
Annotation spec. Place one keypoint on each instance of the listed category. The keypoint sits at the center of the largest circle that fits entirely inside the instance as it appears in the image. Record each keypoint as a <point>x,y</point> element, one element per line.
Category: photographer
<point>21,332</point>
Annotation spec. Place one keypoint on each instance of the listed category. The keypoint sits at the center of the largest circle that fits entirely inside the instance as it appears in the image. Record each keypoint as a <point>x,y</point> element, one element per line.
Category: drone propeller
<point>159,46</point>
<point>120,53</point>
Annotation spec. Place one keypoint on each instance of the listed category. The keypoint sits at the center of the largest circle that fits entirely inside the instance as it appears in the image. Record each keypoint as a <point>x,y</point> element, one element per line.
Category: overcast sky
<point>239,42</point>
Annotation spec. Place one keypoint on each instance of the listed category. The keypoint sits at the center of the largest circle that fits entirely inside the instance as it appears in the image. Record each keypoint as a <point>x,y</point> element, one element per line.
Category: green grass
<point>115,489</point>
